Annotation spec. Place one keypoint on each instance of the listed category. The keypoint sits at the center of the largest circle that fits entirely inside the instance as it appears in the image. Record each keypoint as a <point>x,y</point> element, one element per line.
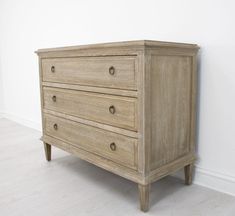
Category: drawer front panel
<point>116,147</point>
<point>113,110</point>
<point>113,72</point>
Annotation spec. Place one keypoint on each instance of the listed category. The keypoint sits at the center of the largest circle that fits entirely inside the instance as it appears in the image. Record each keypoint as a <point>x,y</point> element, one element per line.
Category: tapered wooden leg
<point>188,172</point>
<point>47,149</point>
<point>144,197</point>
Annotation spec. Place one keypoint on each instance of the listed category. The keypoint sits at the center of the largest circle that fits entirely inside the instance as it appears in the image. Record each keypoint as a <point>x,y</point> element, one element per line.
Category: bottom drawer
<point>116,147</point>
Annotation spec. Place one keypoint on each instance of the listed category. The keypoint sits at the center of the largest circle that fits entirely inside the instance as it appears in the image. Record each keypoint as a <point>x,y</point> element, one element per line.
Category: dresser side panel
<point>171,87</point>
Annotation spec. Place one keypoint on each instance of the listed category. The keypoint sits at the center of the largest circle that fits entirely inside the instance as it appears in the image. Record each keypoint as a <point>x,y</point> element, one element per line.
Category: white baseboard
<point>22,121</point>
<point>212,179</point>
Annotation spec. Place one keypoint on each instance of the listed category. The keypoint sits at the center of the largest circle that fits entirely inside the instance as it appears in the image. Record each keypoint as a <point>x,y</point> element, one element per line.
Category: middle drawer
<point>108,109</point>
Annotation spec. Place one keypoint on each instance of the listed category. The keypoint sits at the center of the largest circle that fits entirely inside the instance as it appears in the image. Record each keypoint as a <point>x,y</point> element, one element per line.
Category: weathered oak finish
<point>144,191</point>
<point>170,105</point>
<point>118,148</point>
<point>113,72</point>
<point>47,149</point>
<point>111,110</point>
<point>188,172</point>
<point>128,107</point>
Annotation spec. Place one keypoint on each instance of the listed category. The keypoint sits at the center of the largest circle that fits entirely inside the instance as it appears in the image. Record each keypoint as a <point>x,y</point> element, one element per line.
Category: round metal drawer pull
<point>54,98</point>
<point>113,146</point>
<point>111,70</point>
<point>55,126</point>
<point>112,109</point>
<point>53,69</point>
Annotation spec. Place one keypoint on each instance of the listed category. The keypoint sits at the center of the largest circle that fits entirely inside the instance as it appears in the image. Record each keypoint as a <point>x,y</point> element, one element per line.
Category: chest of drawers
<point>128,107</point>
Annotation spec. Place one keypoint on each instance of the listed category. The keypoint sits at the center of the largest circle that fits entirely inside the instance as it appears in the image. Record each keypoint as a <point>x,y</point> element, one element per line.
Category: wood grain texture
<point>193,110</point>
<point>141,108</point>
<point>121,92</point>
<point>41,91</point>
<point>97,160</point>
<point>93,106</point>
<point>169,168</point>
<point>92,71</point>
<point>147,113</point>
<point>170,108</point>
<point>154,91</point>
<point>122,131</point>
<point>47,149</point>
<point>93,139</point>
<point>124,44</point>
<point>188,172</point>
<point>144,191</point>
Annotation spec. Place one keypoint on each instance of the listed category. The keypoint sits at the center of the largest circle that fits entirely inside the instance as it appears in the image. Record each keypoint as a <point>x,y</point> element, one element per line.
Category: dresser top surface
<point>123,44</point>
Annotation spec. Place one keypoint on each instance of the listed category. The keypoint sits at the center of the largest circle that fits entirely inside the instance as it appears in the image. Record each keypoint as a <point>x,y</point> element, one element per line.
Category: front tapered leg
<point>47,149</point>
<point>188,172</point>
<point>144,197</point>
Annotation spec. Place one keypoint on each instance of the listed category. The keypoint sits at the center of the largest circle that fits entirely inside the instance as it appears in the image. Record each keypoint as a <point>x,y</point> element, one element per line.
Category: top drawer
<point>112,72</point>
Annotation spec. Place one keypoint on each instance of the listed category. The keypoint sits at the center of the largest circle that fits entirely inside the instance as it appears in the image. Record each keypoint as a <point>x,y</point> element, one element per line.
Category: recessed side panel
<point>170,108</point>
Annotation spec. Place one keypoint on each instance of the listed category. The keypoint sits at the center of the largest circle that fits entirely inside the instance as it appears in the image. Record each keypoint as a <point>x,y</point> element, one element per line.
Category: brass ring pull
<point>53,69</point>
<point>112,109</point>
<point>111,70</point>
<point>55,126</point>
<point>54,98</point>
<point>113,146</point>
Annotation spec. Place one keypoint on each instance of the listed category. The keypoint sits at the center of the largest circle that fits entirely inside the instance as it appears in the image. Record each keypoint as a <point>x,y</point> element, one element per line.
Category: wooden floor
<point>68,186</point>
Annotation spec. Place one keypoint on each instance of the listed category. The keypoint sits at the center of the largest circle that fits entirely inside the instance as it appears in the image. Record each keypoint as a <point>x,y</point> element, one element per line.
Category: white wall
<point>1,98</point>
<point>1,82</point>
<point>28,25</point>
<point>1,94</point>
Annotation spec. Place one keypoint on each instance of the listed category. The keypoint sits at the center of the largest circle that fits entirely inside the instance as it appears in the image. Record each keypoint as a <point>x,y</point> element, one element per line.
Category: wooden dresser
<point>128,107</point>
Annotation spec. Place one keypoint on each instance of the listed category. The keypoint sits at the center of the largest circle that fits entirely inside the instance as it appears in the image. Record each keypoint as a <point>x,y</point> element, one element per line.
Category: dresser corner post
<point>47,149</point>
<point>144,191</point>
<point>188,172</point>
